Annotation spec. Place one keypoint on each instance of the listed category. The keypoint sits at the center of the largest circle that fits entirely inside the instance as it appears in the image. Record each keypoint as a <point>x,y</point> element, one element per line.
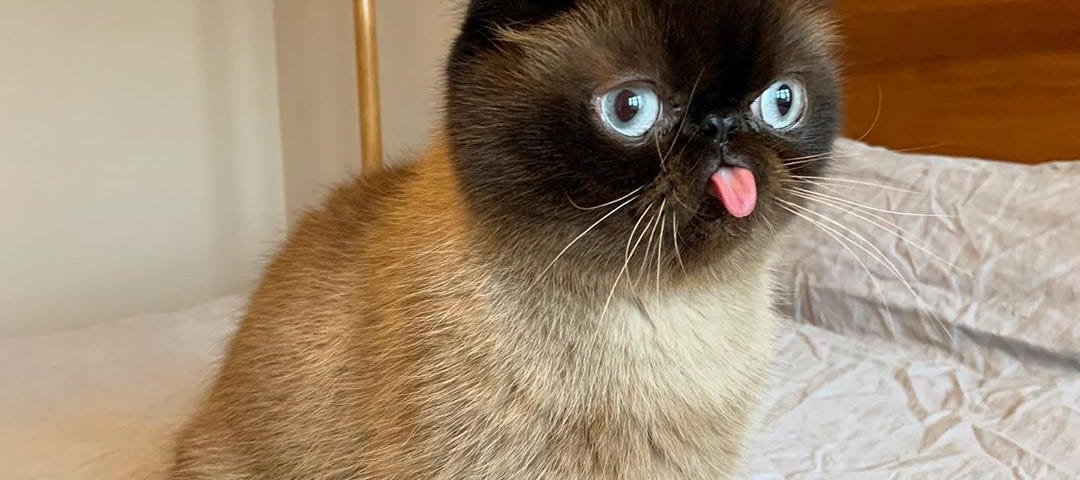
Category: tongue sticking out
<point>736,189</point>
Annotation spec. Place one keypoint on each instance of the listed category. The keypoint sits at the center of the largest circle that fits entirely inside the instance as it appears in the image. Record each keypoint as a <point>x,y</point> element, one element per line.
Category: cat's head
<point>641,122</point>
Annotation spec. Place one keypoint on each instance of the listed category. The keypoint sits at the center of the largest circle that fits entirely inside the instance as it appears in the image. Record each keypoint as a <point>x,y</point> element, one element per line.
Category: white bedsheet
<point>101,403</point>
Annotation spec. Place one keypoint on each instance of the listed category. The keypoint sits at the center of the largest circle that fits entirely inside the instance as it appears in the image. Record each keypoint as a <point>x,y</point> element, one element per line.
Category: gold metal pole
<point>367,66</point>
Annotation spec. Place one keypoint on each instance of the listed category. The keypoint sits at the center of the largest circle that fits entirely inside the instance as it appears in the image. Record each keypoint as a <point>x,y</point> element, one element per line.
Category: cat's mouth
<point>736,188</point>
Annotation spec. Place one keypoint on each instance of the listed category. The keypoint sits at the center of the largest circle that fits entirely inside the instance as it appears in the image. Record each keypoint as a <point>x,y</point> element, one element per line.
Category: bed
<point>867,384</point>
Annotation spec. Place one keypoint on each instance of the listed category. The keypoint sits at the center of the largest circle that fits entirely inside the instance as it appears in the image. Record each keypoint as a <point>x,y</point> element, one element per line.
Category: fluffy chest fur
<point>398,352</point>
<point>659,386</point>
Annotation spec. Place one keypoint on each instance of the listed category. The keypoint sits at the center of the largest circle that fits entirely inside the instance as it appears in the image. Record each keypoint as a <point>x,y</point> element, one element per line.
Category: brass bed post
<point>367,69</point>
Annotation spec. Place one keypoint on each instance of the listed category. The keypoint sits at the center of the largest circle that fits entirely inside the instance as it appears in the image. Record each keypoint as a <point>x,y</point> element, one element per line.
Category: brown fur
<point>361,358</point>
<point>415,326</point>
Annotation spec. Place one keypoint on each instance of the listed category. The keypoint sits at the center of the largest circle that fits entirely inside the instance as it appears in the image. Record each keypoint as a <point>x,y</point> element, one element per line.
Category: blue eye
<point>630,110</point>
<point>782,105</point>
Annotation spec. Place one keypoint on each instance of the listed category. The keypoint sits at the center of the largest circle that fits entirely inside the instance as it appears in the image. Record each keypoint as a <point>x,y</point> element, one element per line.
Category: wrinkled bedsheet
<point>972,373</point>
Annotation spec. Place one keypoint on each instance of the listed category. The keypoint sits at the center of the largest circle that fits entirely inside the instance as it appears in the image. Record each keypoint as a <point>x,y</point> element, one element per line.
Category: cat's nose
<point>719,128</point>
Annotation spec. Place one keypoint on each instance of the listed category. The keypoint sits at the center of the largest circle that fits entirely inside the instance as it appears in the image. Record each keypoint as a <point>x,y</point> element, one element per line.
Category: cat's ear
<point>483,17</point>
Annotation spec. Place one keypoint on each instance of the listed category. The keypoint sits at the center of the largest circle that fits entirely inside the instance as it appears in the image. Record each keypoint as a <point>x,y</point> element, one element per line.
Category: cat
<point>574,282</point>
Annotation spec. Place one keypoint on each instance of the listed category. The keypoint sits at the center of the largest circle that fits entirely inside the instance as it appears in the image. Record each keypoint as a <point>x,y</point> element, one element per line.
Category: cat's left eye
<point>782,105</point>
<point>630,110</point>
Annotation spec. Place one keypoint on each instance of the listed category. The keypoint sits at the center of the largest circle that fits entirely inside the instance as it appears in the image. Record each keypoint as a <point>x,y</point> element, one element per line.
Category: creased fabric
<point>954,355</point>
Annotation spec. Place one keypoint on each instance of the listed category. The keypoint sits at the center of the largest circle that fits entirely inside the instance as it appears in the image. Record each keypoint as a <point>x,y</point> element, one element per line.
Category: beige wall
<point>150,149</point>
<point>317,80</point>
<point>140,159</point>
<point>414,38</point>
<point>318,86</point>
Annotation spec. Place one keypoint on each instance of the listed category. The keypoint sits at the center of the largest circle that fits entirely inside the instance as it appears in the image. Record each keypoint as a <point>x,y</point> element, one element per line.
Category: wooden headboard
<point>996,79</point>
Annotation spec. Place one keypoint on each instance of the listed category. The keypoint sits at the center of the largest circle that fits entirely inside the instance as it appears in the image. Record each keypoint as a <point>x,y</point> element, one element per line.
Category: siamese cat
<point>572,283</point>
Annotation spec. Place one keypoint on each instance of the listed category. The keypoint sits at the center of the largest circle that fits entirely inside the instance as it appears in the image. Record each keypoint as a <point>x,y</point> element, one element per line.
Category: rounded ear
<point>485,16</point>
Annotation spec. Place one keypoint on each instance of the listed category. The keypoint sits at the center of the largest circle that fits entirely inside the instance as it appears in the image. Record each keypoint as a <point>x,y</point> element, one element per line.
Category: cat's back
<point>298,372</point>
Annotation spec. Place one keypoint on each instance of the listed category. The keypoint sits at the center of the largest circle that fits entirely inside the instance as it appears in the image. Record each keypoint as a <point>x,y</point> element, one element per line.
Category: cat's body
<point>448,369</point>
<point>466,317</point>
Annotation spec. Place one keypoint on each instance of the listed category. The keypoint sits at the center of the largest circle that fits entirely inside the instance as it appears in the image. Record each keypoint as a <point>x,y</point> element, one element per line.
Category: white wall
<point>316,60</point>
<point>150,149</point>
<point>414,38</point>
<point>317,80</point>
<point>140,157</point>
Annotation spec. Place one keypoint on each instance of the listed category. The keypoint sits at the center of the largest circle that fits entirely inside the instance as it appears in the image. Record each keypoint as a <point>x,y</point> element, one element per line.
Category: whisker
<point>648,248</point>
<point>889,226</point>
<point>832,155</point>
<point>675,240</point>
<point>686,113</point>
<point>583,234</point>
<point>880,256</point>
<point>608,204</point>
<point>660,250</point>
<point>834,189</point>
<point>630,240</point>
<point>789,161</point>
<point>772,228</point>
<point>877,116</point>
<point>679,200</point>
<point>626,265</point>
<point>855,182</point>
<point>867,207</point>
<point>841,240</point>
<point>659,154</point>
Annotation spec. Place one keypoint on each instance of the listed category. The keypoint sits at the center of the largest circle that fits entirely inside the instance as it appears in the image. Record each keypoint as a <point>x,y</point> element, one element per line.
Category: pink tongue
<point>736,189</point>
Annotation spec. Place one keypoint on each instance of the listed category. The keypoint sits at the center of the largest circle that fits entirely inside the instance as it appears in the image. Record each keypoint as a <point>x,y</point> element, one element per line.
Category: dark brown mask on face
<point>684,116</point>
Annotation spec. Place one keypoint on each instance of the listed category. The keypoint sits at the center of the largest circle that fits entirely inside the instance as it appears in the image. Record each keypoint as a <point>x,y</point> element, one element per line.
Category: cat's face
<point>679,122</point>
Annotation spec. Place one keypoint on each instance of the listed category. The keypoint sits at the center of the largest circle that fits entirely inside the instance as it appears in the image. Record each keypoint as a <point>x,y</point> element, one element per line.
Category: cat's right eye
<point>630,110</point>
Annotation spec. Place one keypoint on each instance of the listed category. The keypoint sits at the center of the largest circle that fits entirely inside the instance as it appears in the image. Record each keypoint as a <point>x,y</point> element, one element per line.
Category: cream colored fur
<point>383,345</point>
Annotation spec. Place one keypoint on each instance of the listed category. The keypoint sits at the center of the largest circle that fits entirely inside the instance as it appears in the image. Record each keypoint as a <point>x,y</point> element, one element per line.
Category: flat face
<point>690,115</point>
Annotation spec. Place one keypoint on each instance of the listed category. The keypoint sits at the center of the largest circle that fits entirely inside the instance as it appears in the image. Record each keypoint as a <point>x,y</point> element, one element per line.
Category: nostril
<point>714,127</point>
<point>729,125</point>
<point>719,128</point>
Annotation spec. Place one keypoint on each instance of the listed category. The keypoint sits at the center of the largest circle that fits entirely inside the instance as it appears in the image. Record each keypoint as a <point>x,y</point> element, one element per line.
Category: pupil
<point>627,105</point>
<point>784,100</point>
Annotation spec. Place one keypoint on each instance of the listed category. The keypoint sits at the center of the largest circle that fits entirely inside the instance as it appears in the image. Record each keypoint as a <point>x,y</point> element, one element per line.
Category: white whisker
<point>832,155</point>
<point>880,256</point>
<point>583,234</point>
<point>660,250</point>
<point>608,204</point>
<point>659,153</point>
<point>630,240</point>
<point>877,116</point>
<point>867,207</point>
<point>626,265</point>
<point>675,240</point>
<point>653,223</point>
<point>811,179</point>
<point>890,227</point>
<point>840,239</point>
